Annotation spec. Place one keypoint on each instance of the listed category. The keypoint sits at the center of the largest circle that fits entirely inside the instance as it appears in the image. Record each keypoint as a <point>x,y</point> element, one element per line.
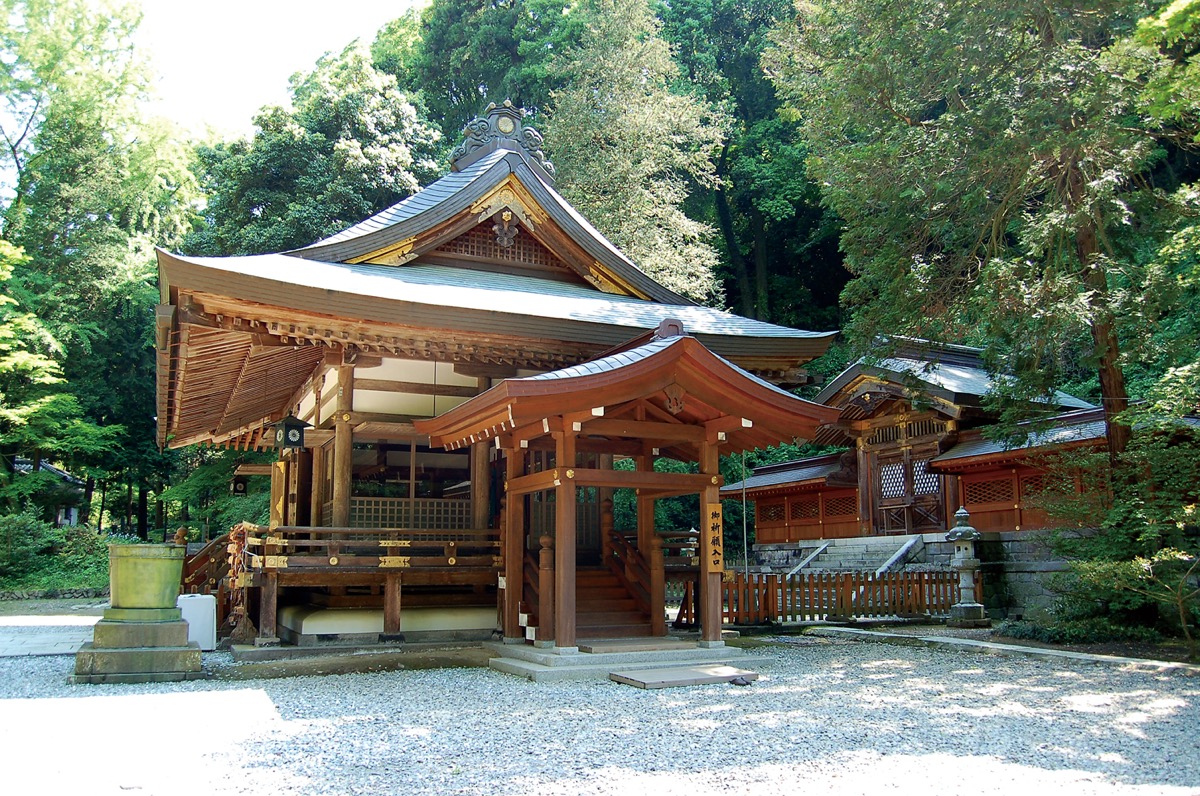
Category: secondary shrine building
<point>470,364</point>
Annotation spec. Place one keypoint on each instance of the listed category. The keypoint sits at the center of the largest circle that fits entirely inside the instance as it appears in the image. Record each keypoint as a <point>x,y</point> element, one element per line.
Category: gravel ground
<point>829,715</point>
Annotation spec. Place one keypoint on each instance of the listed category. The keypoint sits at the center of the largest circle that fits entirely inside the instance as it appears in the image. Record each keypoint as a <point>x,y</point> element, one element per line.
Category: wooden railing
<point>299,547</point>
<point>632,569</point>
<point>204,571</point>
<point>814,596</point>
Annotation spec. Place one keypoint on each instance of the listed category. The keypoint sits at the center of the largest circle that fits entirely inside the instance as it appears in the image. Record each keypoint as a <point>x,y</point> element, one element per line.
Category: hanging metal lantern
<point>289,432</point>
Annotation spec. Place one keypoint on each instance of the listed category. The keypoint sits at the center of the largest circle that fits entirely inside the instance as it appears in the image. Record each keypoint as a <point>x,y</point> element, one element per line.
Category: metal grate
<point>846,506</point>
<point>481,242</point>
<point>891,480</point>
<point>999,490</point>
<point>925,482</point>
<point>805,509</point>
<point>770,512</point>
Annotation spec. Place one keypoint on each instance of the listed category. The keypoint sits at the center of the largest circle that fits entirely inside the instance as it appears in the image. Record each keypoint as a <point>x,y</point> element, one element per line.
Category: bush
<point>1092,630</point>
<point>77,560</point>
<point>27,544</point>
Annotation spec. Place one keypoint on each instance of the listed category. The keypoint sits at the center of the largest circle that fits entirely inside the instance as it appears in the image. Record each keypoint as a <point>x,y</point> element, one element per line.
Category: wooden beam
<point>643,429</point>
<point>253,469</point>
<point>535,482</point>
<point>343,446</point>
<point>416,388</point>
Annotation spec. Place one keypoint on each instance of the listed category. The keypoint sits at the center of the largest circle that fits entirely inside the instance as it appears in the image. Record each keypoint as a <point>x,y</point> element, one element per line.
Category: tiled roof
<point>1072,427</point>
<point>511,294</point>
<point>787,473</point>
<point>957,379</point>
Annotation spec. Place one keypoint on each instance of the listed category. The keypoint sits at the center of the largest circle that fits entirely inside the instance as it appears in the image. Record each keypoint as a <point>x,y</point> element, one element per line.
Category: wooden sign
<point>712,537</point>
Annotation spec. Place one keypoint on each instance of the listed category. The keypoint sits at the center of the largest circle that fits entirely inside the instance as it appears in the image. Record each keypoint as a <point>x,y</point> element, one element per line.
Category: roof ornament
<point>668,328</point>
<point>499,125</point>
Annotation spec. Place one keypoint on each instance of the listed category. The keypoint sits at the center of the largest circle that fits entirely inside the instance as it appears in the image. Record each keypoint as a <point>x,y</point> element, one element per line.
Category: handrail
<point>900,555</point>
<point>291,547</point>
<point>808,559</point>
<point>208,564</point>
<point>631,568</point>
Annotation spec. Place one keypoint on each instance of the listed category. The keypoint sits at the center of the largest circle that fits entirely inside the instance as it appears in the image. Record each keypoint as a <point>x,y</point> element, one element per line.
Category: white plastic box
<point>200,611</point>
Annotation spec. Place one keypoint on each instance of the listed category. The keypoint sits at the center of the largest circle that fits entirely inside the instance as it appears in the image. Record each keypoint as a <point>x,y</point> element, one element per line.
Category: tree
<point>627,148</point>
<point>778,244</point>
<point>352,146</point>
<point>477,51</point>
<point>986,160</point>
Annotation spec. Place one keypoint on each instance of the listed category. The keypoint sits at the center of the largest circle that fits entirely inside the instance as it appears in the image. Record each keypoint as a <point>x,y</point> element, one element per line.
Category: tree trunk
<point>762,302</point>
<point>1114,398</point>
<point>89,491</point>
<point>100,514</point>
<point>741,269</point>
<point>143,512</point>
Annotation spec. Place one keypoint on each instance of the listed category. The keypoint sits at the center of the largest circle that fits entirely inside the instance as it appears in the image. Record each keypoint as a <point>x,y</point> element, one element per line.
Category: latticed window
<point>999,490</point>
<point>1032,486</point>
<point>891,480</point>
<point>925,482</point>
<point>481,242</point>
<point>805,508</point>
<point>846,506</point>
<point>770,512</point>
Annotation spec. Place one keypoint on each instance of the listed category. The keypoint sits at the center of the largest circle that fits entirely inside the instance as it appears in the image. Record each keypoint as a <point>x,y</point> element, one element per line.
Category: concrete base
<point>968,615</point>
<point>546,666</point>
<point>304,625</point>
<point>137,652</point>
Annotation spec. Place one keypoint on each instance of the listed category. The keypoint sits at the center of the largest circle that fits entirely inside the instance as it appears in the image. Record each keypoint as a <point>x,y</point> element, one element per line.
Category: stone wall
<point>53,594</point>
<point>1017,569</point>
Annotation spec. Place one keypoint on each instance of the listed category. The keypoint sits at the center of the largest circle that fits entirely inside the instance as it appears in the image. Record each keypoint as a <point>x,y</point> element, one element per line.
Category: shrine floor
<point>839,714</point>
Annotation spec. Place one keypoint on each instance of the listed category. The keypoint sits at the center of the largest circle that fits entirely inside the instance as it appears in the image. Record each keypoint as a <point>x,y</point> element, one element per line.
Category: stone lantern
<point>966,612</point>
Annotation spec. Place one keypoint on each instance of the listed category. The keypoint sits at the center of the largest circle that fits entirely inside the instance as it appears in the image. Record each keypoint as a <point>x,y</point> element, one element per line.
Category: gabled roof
<point>958,382</point>
<point>707,388</point>
<point>793,473</point>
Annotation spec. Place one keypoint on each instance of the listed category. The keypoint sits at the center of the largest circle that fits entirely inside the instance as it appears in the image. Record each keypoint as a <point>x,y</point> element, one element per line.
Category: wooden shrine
<point>384,336</point>
<point>914,424</point>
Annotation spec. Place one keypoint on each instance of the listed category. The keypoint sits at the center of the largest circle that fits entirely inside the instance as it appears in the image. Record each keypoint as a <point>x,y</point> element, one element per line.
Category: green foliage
<point>627,146</point>
<point>353,145</point>
<point>1093,630</point>
<point>26,543</point>
<point>201,493</point>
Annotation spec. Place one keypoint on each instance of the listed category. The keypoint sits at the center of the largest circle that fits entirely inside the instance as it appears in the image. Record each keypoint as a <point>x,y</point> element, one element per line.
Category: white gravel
<point>828,716</point>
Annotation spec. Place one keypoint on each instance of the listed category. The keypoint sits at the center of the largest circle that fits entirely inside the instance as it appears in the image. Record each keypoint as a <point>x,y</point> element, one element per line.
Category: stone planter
<point>144,581</point>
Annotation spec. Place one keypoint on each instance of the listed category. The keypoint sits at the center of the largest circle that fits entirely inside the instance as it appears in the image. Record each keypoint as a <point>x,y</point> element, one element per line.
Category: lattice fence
<point>997,490</point>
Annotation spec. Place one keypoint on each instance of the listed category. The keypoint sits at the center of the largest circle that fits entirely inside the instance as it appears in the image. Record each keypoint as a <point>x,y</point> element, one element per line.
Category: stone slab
<point>121,635</point>
<point>143,614</point>
<point>674,677</point>
<point>634,645</point>
<point>90,660</point>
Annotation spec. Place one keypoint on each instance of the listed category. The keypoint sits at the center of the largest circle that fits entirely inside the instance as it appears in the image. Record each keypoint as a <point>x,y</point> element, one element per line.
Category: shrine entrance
<point>560,433</point>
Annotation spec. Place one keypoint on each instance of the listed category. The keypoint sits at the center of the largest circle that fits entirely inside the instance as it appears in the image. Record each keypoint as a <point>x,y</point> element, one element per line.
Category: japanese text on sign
<point>713,536</point>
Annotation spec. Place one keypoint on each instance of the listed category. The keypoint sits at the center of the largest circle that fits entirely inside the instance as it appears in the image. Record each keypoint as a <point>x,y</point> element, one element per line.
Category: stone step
<point>674,677</point>
<point>545,666</point>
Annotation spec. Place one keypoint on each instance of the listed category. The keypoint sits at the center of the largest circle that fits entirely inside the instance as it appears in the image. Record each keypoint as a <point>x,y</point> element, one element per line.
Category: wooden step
<point>623,603</point>
<point>611,617</point>
<point>612,631</point>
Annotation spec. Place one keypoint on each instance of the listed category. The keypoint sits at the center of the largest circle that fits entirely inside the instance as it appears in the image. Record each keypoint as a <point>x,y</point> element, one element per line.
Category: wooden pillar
<point>391,605</point>
<point>658,588</point>
<point>712,548</point>
<point>866,513</point>
<point>300,501</point>
<point>605,498</point>
<point>480,452</point>
<point>268,609</point>
<point>343,448</point>
<point>514,547</point>
<point>279,494</point>
<point>564,542</point>
<point>317,494</point>
<point>645,509</point>
<point>545,630</point>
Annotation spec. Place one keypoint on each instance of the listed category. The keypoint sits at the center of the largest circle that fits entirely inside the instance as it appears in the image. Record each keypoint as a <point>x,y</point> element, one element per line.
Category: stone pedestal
<point>966,612</point>
<point>142,637</point>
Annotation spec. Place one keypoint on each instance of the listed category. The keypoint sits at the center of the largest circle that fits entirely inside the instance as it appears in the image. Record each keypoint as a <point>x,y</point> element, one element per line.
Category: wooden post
<point>514,547</point>
<point>480,452</point>
<point>343,448</point>
<point>317,497</point>
<point>279,486</point>
<point>267,610</point>
<point>300,511</point>
<point>645,509</point>
<point>545,630</point>
<point>391,605</point>
<point>658,588</point>
<point>564,543</point>
<point>606,526</point>
<point>712,547</point>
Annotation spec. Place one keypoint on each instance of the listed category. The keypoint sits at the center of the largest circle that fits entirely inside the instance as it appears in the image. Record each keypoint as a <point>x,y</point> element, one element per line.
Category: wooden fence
<point>815,596</point>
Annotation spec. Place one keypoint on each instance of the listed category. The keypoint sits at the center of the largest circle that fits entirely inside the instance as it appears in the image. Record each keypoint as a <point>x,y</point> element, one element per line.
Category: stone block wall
<point>1017,569</point>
